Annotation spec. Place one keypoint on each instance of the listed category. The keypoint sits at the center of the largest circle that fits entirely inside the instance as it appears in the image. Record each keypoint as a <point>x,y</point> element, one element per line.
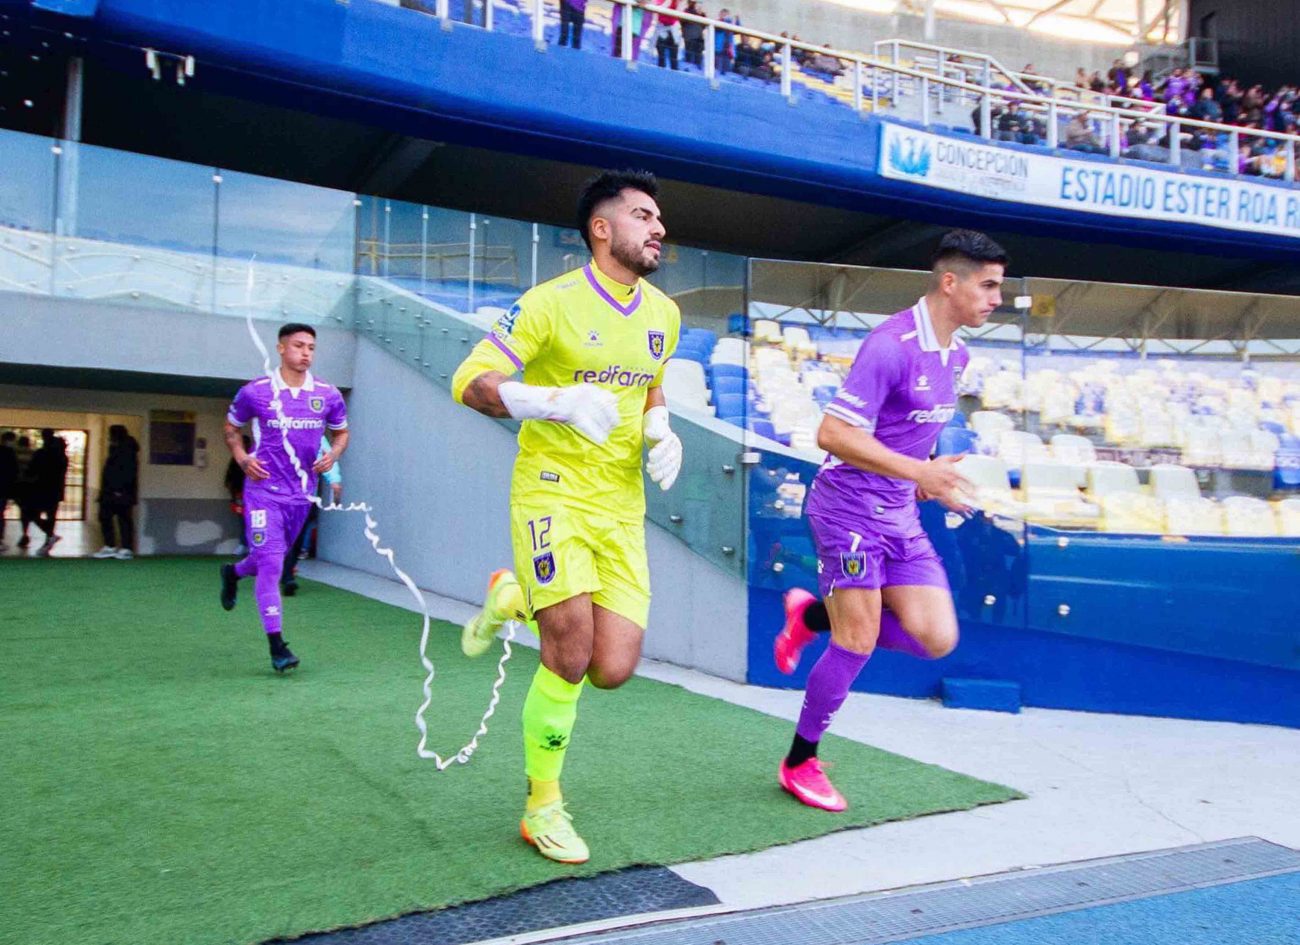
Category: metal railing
<point>952,80</point>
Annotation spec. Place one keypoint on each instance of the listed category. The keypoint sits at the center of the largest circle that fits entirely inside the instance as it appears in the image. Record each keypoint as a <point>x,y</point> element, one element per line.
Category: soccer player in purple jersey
<point>881,580</point>
<point>276,499</point>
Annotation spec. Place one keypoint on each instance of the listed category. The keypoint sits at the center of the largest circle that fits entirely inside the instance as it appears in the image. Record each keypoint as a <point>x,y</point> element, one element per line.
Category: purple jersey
<point>308,409</point>
<point>902,389</point>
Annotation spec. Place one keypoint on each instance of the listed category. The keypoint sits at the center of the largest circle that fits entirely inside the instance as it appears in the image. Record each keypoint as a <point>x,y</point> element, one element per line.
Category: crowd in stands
<point>1184,93</point>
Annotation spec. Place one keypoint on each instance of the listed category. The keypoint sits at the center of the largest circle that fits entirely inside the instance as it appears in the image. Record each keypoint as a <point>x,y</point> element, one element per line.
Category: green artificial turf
<point>161,785</point>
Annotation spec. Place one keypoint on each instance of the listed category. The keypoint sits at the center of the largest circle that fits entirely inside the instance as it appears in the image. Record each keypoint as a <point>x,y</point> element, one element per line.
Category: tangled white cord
<point>463,755</point>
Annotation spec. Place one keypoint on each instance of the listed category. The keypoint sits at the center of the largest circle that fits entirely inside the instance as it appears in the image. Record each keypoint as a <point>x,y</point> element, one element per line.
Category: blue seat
<point>1272,426</point>
<point>954,440</point>
<point>761,427</point>
<point>736,420</point>
<point>736,324</point>
<point>958,420</point>
<point>729,405</point>
<point>701,335</point>
<point>728,370</point>
<point>692,354</point>
<point>1286,463</point>
<point>724,384</point>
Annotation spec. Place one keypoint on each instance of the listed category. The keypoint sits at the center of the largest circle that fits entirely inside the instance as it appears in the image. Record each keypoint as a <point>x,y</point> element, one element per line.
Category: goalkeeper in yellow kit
<point>592,345</point>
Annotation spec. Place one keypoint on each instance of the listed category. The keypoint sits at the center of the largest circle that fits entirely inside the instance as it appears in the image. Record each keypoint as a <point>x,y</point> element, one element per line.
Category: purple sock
<point>268,594</point>
<point>894,637</point>
<point>828,686</point>
<point>246,567</point>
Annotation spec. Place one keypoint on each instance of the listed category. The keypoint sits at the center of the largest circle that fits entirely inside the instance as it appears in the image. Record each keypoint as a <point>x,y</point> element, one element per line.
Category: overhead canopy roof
<point>1094,309</point>
<point>1106,21</point>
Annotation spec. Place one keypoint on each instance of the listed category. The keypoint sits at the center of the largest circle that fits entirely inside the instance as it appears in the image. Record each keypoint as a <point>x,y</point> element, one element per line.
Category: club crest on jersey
<point>544,568</point>
<point>259,539</point>
<point>922,383</point>
<point>317,404</point>
<point>853,563</point>
<point>656,341</point>
<point>505,325</point>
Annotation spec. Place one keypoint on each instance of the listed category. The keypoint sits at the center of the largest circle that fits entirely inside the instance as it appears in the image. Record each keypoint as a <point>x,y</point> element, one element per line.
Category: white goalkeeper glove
<point>664,461</point>
<point>591,410</point>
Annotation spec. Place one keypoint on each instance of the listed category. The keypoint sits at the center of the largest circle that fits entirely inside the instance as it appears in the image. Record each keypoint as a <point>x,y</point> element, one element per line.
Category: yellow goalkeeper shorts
<point>561,552</point>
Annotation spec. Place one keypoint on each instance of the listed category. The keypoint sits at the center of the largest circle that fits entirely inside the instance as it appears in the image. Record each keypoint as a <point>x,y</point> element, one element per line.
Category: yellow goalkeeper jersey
<point>582,327</point>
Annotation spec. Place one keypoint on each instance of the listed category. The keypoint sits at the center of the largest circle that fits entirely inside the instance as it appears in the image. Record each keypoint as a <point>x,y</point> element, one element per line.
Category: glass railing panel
<point>27,209</point>
<point>284,250</point>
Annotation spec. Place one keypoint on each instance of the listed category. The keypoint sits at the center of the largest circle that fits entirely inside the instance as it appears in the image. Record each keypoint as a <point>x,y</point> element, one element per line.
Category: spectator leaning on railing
<point>1079,135</point>
<point>668,33</point>
<point>693,35</point>
<point>724,42</point>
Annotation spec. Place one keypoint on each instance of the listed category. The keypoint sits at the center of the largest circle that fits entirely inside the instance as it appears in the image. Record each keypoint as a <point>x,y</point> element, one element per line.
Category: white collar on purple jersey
<point>925,335</point>
<point>278,383</point>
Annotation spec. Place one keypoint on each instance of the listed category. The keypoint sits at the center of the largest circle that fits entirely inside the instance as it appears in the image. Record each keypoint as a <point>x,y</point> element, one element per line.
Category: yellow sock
<point>541,793</point>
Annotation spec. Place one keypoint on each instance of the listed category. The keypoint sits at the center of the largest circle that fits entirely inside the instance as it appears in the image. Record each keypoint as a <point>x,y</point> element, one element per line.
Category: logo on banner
<point>853,563</point>
<point>656,341</point>
<point>544,568</point>
<point>909,156</point>
<point>317,404</point>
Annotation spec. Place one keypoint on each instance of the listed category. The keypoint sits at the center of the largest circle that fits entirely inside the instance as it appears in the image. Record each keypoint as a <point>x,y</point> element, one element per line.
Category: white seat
<point>1288,517</point>
<point>988,476</point>
<point>1192,516</point>
<point>1051,491</point>
<point>730,351</point>
<point>1018,447</point>
<point>1070,448</point>
<point>1131,512</point>
<point>684,385</point>
<point>767,332</point>
<point>1110,478</point>
<point>1171,481</point>
<point>1248,516</point>
<point>987,424</point>
<point>795,338</point>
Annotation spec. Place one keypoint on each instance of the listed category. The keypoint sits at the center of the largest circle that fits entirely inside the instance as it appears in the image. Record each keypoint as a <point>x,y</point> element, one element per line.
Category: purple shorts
<point>885,548</point>
<point>271,523</point>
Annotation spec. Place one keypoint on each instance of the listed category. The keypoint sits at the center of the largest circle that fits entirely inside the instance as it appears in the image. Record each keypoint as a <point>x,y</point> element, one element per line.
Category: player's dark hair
<point>293,328</point>
<point>970,247</point>
<point>606,186</point>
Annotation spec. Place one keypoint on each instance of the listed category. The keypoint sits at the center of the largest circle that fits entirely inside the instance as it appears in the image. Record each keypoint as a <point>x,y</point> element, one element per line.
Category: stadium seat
<point>684,385</point>
<point>1051,492</point>
<point>690,354</point>
<point>731,351</point>
<point>1288,517</point>
<point>1109,478</point>
<point>717,371</point>
<point>729,405</point>
<point>1247,516</point>
<point>766,332</point>
<point>1074,449</point>
<point>1192,516</point>
<point>988,474</point>
<point>1018,447</point>
<point>987,424</point>
<point>1171,481</point>
<point>956,440</point>
<point>727,384</point>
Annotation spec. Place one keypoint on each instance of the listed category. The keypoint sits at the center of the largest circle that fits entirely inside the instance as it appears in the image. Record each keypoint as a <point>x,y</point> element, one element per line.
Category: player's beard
<point>635,256</point>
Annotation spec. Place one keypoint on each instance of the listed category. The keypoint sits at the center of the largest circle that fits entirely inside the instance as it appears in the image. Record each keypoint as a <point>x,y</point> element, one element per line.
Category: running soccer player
<point>872,552</point>
<point>592,345</point>
<point>276,499</point>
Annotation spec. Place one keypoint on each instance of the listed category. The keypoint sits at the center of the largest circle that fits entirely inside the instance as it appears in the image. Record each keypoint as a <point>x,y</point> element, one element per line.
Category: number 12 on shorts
<point>538,529</point>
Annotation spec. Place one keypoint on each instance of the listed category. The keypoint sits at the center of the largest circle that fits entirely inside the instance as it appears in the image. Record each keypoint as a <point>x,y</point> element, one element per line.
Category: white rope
<point>463,755</point>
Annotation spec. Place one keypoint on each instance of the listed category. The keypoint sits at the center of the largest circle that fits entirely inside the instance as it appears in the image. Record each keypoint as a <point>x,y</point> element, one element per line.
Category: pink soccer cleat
<point>795,635</point>
<point>809,784</point>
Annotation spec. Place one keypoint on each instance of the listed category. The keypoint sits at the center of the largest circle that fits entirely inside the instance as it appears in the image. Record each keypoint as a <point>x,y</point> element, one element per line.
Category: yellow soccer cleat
<point>550,830</point>
<point>505,601</point>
